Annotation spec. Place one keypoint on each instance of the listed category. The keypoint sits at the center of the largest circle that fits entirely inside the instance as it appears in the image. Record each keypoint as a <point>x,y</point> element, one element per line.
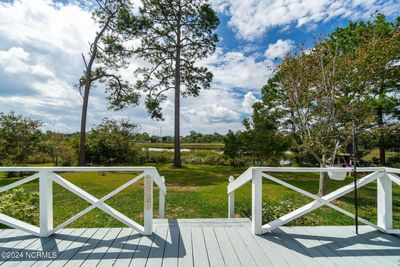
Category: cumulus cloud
<point>236,70</point>
<point>252,18</point>
<point>279,49</point>
<point>40,61</point>
<point>15,61</point>
<point>248,102</point>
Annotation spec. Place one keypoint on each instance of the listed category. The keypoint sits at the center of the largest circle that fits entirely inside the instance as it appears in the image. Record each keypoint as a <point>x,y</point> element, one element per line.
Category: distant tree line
<point>111,142</point>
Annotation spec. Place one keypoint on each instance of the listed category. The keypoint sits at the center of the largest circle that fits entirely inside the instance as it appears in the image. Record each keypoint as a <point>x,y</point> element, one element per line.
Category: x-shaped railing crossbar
<point>47,175</point>
<point>384,177</point>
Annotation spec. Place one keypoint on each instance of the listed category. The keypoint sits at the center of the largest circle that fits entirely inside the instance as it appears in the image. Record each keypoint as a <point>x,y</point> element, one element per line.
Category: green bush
<point>273,210</point>
<point>21,205</point>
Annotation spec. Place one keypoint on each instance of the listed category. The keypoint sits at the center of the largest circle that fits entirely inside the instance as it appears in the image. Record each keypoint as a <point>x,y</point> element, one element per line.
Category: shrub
<point>273,210</point>
<point>21,205</point>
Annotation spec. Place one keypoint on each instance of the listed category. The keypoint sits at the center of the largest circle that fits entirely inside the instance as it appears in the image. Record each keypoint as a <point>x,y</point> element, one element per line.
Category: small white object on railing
<point>231,200</point>
<point>47,176</point>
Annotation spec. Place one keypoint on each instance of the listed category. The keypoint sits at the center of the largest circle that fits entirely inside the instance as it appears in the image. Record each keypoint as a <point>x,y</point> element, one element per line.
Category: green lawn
<point>198,191</point>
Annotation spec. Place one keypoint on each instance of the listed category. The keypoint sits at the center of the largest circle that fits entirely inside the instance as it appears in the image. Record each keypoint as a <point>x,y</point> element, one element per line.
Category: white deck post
<point>256,202</point>
<point>45,203</point>
<point>148,205</point>
<point>231,201</point>
<point>161,201</point>
<point>384,197</point>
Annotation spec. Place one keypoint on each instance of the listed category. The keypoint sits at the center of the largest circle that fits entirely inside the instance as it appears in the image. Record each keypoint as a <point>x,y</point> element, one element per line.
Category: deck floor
<point>214,242</point>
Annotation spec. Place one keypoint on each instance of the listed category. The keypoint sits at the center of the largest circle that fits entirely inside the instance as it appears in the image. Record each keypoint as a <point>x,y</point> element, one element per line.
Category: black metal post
<point>355,179</point>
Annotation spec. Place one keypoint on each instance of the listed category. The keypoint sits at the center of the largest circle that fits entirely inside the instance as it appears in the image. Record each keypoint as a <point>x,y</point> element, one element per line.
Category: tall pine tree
<point>174,34</point>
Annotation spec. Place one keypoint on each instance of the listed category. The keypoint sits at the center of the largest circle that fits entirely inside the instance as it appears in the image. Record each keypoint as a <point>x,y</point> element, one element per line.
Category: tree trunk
<point>82,140</point>
<point>177,127</point>
<point>323,179</point>
<point>382,147</point>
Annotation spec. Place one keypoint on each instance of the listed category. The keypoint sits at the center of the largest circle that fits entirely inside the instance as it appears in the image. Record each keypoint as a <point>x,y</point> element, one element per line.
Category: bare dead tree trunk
<point>323,179</point>
<point>82,140</point>
<point>88,83</point>
<point>177,127</point>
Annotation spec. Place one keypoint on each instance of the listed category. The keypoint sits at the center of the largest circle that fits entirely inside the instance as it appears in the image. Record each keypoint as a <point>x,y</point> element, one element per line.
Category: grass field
<point>198,191</point>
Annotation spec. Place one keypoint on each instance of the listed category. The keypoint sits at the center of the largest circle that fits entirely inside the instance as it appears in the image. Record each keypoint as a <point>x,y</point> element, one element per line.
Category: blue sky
<point>41,42</point>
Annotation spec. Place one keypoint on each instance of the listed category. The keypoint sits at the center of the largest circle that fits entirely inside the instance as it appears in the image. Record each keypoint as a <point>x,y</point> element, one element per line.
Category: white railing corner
<point>148,205</point>
<point>384,202</point>
<point>45,203</point>
<point>256,201</point>
<point>231,200</point>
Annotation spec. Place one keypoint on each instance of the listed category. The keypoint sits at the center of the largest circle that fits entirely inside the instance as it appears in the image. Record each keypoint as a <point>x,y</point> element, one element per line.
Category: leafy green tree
<point>19,138</point>
<point>107,54</point>
<point>323,96</point>
<point>262,138</point>
<point>175,34</point>
<point>59,149</point>
<point>377,46</point>
<point>111,142</point>
<point>231,146</point>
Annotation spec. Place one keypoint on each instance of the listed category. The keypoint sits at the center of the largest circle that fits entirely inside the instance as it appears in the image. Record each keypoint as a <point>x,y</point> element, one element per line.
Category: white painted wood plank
<point>227,250</point>
<point>18,224</point>
<point>79,258</point>
<point>15,249</point>
<point>258,254</point>
<point>157,248</point>
<point>200,257</point>
<point>108,247</point>
<point>97,254</point>
<point>60,246</point>
<point>67,254</point>
<point>185,255</point>
<point>295,248</point>
<point>312,246</point>
<point>142,251</point>
<point>213,250</point>
<point>171,251</point>
<point>110,258</point>
<point>129,249</point>
<point>277,253</point>
<point>41,244</point>
<point>244,255</point>
<point>7,234</point>
<point>342,239</point>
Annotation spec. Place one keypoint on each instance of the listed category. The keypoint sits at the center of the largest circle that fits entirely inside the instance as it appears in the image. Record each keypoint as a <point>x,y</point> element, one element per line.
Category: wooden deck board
<point>206,243</point>
<point>172,247</point>
<point>213,248</point>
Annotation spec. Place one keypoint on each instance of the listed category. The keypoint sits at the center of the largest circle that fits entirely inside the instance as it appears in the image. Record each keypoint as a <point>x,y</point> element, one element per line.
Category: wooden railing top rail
<point>156,176</point>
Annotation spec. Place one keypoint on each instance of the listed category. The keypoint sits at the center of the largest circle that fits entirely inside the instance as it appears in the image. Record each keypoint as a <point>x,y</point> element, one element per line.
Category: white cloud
<point>40,47</point>
<point>252,18</point>
<point>15,61</point>
<point>235,70</point>
<point>248,102</point>
<point>279,49</point>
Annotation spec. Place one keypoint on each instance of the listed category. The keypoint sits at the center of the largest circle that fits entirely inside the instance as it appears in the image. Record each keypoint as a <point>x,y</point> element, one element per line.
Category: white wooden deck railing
<point>48,175</point>
<point>384,177</point>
